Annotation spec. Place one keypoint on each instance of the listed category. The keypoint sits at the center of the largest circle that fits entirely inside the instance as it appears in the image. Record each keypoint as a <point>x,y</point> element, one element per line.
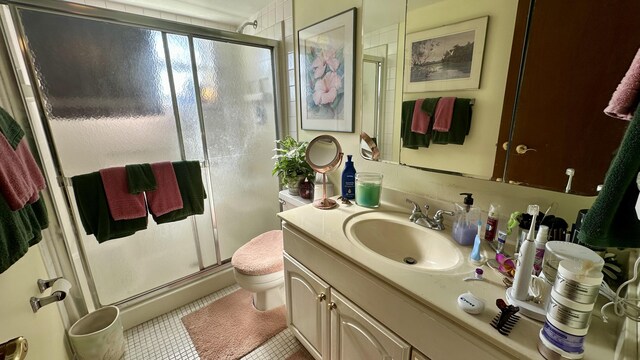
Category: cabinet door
<point>307,314</point>
<point>417,355</point>
<point>355,335</point>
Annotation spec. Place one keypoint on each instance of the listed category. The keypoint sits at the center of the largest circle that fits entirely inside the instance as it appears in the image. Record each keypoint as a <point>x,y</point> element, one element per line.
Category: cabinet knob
<point>321,297</point>
<point>522,149</point>
<point>505,145</point>
<point>331,305</point>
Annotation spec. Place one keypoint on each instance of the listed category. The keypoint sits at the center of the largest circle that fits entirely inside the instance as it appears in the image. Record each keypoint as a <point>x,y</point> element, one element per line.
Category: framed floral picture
<point>326,65</point>
<point>445,58</point>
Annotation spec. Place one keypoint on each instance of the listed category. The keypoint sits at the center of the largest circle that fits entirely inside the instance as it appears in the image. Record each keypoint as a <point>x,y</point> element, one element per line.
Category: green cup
<point>368,189</point>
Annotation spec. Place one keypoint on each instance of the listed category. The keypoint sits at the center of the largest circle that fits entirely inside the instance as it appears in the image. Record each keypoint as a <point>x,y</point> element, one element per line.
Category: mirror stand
<point>324,154</point>
<point>325,203</point>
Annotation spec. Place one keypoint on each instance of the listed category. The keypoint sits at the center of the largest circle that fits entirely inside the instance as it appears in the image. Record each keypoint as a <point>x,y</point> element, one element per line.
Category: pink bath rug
<point>231,327</point>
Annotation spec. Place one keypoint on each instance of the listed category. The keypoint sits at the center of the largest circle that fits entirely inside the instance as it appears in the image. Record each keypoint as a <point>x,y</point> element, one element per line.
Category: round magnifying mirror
<point>323,155</point>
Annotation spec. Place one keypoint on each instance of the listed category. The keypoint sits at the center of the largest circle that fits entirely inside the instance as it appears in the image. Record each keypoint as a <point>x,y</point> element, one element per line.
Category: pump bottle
<point>465,226</point>
<point>349,180</point>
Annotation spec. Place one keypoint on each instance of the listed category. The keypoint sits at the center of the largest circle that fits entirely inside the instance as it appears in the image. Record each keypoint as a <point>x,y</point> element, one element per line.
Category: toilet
<point>258,266</point>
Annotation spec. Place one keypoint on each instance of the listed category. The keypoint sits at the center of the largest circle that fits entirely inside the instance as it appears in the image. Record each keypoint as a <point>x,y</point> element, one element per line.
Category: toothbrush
<point>476,257</point>
<point>526,257</point>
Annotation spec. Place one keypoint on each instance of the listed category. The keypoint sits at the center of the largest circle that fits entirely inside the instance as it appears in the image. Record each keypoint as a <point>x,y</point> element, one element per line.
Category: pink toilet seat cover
<point>260,256</point>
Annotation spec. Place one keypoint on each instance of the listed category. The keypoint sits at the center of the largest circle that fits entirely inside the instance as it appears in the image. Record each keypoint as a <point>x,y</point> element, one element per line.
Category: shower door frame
<point>62,204</point>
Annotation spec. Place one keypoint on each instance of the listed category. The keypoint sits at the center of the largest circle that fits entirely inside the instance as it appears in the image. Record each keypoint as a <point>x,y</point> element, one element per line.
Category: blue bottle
<point>349,180</point>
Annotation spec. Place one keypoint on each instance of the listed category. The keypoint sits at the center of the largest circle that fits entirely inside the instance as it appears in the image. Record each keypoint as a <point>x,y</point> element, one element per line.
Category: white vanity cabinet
<point>307,312</point>
<point>368,314</point>
<point>356,335</point>
<point>314,309</point>
<point>417,355</point>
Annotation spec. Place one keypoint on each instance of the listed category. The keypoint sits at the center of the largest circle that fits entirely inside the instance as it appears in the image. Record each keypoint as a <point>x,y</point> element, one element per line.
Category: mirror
<point>324,154</point>
<point>512,99</point>
<point>383,44</point>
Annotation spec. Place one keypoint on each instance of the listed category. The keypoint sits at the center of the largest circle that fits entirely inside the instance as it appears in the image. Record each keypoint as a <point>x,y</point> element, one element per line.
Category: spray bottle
<point>492,223</point>
<point>522,278</point>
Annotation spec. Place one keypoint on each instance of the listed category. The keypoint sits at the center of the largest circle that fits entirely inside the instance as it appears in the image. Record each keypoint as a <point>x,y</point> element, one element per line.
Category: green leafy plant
<point>290,163</point>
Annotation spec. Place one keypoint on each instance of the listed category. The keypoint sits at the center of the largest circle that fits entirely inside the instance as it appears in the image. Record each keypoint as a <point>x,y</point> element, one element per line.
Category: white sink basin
<point>392,236</point>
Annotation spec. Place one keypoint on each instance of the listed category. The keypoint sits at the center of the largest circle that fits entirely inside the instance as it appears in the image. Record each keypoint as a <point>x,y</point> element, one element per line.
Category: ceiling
<point>229,12</point>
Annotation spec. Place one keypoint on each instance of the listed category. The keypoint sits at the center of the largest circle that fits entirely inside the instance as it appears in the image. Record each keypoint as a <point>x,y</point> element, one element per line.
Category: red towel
<point>166,198</point>
<point>627,95</point>
<point>122,205</point>
<point>420,120</point>
<point>444,114</point>
<point>20,178</point>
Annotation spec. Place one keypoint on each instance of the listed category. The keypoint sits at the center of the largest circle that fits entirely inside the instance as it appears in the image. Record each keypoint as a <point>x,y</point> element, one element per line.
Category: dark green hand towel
<point>460,124</point>
<point>10,129</point>
<point>94,210</point>
<point>429,106</point>
<point>19,230</point>
<point>192,191</point>
<point>612,220</point>
<point>140,178</point>
<point>410,139</point>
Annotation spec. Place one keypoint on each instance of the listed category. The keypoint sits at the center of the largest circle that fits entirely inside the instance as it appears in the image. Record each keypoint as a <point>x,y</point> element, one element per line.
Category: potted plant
<point>290,165</point>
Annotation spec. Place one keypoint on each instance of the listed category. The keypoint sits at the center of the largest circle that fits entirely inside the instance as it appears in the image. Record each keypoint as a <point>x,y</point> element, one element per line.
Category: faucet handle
<point>438,215</point>
<point>416,207</point>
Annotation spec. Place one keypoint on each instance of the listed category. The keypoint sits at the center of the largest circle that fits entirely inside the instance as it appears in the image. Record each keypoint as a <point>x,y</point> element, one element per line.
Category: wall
<point>179,15</point>
<point>440,187</point>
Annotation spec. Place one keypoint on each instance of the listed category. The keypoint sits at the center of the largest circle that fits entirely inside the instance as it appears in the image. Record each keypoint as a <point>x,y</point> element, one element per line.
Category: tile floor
<point>166,338</point>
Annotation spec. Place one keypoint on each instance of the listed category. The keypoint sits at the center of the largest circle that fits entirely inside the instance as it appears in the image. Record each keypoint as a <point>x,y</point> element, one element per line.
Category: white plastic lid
<point>567,250</point>
<point>584,272</point>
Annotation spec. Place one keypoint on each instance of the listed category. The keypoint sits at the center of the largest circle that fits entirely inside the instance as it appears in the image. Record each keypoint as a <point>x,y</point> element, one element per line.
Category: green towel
<point>460,124</point>
<point>612,220</point>
<point>19,230</point>
<point>94,210</point>
<point>429,106</point>
<point>140,178</point>
<point>189,178</point>
<point>410,139</point>
<point>10,129</point>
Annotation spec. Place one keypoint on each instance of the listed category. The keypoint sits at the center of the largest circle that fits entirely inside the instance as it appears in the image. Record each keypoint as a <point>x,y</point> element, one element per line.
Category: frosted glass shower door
<point>236,87</point>
<point>106,94</point>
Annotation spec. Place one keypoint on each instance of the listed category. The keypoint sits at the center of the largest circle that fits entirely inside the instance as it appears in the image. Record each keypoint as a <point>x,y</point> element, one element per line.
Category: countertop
<point>439,290</point>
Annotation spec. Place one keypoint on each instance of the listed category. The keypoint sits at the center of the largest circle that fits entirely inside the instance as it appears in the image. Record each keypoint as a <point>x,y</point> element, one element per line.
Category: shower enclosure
<point>116,89</point>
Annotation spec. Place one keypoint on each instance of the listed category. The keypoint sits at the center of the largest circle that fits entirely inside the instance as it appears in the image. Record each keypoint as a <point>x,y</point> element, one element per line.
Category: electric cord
<point>622,306</point>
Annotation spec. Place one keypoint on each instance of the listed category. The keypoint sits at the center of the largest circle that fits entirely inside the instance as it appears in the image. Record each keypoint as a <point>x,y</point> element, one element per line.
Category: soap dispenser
<point>465,226</point>
<point>349,180</point>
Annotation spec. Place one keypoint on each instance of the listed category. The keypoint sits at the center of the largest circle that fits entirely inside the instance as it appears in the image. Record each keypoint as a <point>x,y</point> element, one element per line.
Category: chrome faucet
<point>422,219</point>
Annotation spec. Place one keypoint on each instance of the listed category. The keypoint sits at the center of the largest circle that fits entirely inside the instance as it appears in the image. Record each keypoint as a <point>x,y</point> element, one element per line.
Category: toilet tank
<point>288,201</point>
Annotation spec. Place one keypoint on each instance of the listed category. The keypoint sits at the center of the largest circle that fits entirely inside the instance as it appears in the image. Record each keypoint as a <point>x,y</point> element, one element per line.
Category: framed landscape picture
<point>326,65</point>
<point>445,58</point>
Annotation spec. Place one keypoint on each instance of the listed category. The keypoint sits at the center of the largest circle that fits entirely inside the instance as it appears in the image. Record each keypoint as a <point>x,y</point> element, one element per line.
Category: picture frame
<point>327,73</point>
<point>445,58</point>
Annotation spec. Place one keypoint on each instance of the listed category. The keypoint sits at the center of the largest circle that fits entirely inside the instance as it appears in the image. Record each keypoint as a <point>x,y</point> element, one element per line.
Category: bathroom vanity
<point>348,300</point>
